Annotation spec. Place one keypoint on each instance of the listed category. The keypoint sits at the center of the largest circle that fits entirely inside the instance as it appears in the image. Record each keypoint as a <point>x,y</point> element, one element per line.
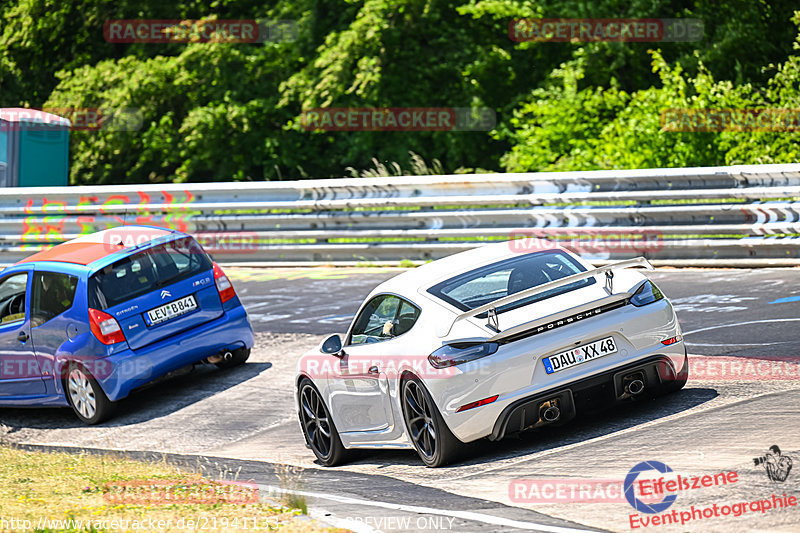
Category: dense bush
<point>232,111</point>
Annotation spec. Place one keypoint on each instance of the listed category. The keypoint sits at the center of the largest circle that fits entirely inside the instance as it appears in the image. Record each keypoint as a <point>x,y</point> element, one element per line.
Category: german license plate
<point>171,310</point>
<point>580,354</point>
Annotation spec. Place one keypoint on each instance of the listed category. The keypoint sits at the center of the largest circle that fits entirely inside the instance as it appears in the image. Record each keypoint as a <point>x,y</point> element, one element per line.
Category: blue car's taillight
<point>646,294</point>
<point>105,327</point>
<point>224,285</point>
<point>449,354</point>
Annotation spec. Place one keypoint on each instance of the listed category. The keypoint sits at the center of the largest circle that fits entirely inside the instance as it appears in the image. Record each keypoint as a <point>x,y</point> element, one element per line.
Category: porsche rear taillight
<point>224,285</point>
<point>105,327</point>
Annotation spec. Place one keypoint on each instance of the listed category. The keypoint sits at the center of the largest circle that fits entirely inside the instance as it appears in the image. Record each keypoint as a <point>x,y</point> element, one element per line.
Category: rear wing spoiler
<point>491,307</point>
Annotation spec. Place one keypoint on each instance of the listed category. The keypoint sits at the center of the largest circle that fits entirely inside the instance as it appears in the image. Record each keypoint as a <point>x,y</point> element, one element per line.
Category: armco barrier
<point>740,215</point>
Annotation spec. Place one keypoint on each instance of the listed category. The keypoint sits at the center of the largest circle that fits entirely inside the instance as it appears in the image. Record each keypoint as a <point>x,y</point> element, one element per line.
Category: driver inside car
<point>53,300</point>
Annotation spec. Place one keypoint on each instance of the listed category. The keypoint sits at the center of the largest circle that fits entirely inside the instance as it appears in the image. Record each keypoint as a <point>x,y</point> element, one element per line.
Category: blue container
<point>34,148</point>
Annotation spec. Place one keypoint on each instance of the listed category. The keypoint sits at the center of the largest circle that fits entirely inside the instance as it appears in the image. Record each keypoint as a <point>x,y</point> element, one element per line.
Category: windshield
<point>146,271</point>
<point>489,283</point>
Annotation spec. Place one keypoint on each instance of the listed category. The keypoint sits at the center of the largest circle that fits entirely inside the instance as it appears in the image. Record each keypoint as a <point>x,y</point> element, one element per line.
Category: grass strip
<point>48,492</point>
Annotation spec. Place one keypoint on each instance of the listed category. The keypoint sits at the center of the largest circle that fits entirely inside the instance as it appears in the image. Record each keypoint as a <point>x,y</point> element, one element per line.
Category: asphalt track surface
<point>719,310</point>
<point>718,423</point>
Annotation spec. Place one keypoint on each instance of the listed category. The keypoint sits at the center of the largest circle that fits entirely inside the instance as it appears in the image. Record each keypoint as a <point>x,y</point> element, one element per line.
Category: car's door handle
<point>22,336</point>
<point>373,370</point>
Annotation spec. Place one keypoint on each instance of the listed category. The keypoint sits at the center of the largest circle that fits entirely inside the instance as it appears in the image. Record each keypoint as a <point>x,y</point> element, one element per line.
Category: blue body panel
<point>131,369</point>
<point>149,352</point>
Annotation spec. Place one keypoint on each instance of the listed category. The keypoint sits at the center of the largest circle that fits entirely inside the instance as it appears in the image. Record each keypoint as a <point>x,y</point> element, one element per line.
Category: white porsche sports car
<point>483,344</point>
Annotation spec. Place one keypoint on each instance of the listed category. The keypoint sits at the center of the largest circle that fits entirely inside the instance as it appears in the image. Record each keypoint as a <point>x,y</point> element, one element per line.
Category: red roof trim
<point>89,248</point>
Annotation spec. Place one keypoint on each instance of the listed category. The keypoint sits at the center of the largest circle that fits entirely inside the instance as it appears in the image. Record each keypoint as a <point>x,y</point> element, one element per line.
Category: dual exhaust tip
<point>549,411</point>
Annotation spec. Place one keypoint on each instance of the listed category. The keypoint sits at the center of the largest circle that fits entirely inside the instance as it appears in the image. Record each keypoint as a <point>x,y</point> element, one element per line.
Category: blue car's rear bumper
<point>131,369</point>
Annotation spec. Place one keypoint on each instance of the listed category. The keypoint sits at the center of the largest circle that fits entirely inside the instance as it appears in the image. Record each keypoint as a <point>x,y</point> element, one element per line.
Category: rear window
<point>492,282</point>
<point>147,271</point>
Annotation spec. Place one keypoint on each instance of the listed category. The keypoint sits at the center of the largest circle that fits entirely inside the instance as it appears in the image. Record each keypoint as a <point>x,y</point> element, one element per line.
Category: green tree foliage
<point>566,128</point>
<point>38,38</point>
<point>218,111</point>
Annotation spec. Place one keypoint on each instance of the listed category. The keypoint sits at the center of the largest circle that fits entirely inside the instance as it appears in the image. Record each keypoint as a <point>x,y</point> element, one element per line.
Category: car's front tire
<point>86,397</point>
<point>318,427</point>
<point>435,443</point>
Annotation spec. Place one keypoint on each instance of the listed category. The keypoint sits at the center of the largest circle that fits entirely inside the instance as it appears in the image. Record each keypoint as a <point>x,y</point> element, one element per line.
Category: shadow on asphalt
<point>585,426</point>
<point>148,403</point>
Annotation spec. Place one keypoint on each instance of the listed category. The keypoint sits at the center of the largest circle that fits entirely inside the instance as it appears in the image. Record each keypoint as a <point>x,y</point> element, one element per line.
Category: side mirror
<point>332,345</point>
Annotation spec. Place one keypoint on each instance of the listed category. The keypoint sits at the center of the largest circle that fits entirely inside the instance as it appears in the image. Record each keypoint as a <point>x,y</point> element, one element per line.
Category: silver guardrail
<point>737,215</point>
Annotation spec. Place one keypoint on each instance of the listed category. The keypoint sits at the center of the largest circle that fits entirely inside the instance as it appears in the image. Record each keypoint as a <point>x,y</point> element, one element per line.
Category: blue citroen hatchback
<point>84,323</point>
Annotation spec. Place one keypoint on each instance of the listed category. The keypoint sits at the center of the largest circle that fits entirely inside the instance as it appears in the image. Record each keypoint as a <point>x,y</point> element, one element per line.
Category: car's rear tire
<point>435,443</point>
<point>680,380</point>
<point>238,357</point>
<point>318,427</point>
<point>86,397</point>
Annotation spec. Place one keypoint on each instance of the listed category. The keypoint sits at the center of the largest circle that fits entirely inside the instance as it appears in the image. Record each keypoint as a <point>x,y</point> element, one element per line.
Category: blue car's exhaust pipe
<point>227,355</point>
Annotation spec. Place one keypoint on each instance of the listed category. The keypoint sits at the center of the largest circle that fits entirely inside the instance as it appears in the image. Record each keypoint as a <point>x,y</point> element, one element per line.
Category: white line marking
<point>342,523</point>
<point>465,515</point>
<point>698,409</point>
<point>736,345</point>
<point>743,324</point>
